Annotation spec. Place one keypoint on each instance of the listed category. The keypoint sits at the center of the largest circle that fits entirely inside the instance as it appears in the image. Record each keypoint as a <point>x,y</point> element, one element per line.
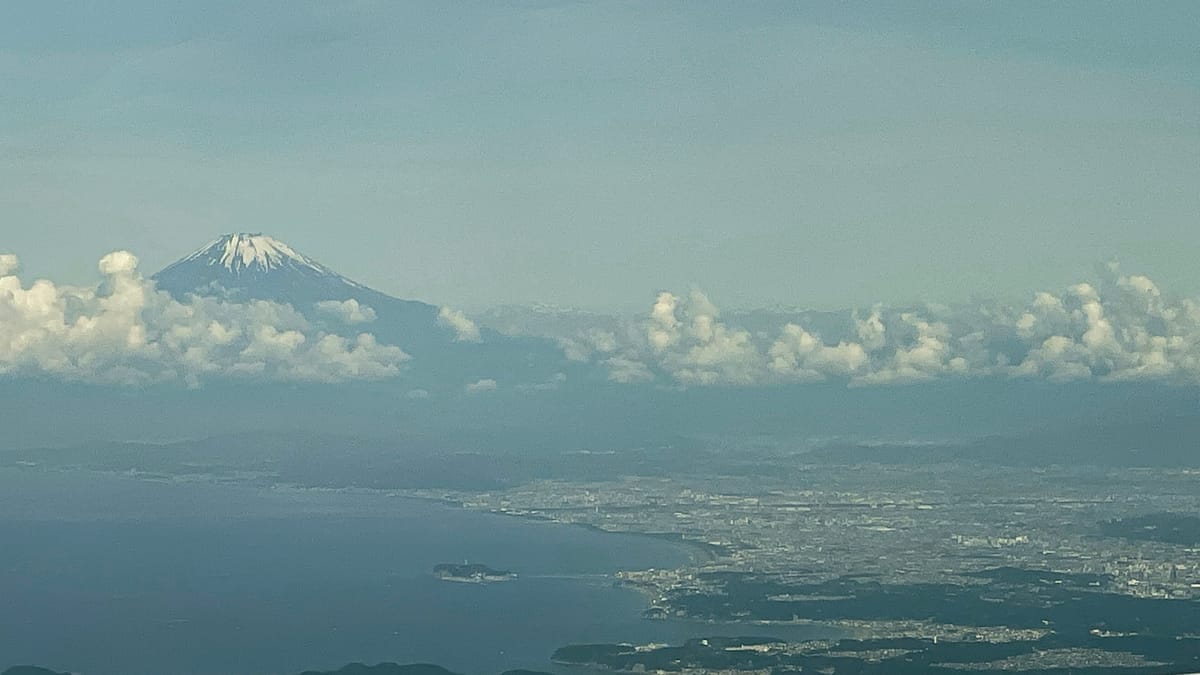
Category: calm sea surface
<point>106,575</point>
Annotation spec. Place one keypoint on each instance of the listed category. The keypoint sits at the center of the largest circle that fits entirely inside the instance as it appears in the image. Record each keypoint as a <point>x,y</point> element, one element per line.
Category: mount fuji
<point>259,267</point>
<point>240,267</point>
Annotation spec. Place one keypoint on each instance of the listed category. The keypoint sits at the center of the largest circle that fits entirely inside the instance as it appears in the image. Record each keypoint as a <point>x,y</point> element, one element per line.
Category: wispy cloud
<point>464,329</point>
<point>481,386</point>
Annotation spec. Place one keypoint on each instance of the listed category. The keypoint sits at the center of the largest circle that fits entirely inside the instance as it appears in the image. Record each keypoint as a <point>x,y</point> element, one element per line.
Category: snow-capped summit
<point>242,252</point>
<point>255,265</point>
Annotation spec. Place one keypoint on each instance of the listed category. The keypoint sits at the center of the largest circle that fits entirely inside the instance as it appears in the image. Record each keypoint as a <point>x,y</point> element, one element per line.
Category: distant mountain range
<point>1151,440</point>
<point>240,267</point>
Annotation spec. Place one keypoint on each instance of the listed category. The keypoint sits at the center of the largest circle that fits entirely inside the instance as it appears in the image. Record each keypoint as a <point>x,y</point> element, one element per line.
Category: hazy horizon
<point>441,152</point>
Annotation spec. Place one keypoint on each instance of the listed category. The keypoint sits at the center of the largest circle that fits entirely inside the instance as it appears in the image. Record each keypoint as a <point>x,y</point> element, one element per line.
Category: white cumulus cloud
<point>801,355</point>
<point>124,331</point>
<point>464,329</point>
<point>349,311</point>
<point>9,264</point>
<point>694,346</point>
<point>1113,329</point>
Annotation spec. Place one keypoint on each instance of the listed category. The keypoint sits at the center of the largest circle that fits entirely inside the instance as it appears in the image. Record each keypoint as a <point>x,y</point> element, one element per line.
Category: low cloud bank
<point>123,331</point>
<point>1117,328</point>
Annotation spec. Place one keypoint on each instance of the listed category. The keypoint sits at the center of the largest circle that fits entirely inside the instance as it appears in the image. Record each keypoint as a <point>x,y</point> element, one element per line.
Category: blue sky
<point>589,154</point>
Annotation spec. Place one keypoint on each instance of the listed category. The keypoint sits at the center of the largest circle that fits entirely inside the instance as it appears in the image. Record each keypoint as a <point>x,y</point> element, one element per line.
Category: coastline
<point>704,551</point>
<point>551,605</point>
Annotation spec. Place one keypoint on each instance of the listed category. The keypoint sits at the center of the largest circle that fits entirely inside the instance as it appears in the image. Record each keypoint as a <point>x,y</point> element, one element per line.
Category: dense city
<point>1047,557</point>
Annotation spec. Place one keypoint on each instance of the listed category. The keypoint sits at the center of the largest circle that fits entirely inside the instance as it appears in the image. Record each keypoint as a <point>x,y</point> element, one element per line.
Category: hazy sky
<point>592,153</point>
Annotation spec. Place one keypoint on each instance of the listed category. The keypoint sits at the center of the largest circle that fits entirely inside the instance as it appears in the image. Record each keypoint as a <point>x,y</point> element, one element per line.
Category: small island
<point>472,573</point>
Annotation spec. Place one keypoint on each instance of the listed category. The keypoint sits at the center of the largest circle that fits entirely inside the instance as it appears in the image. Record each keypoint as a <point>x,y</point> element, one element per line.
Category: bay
<point>114,575</point>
